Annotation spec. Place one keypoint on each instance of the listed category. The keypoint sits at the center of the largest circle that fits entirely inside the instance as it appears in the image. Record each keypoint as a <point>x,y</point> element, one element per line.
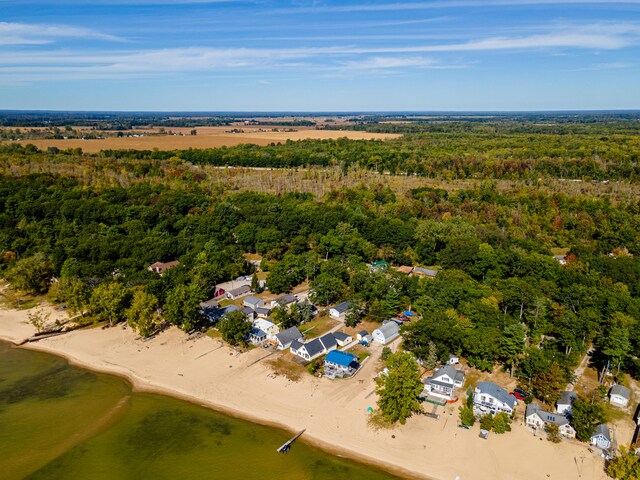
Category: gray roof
<point>497,392</point>
<point>248,310</point>
<point>389,330</point>
<point>263,311</point>
<point>314,347</point>
<point>342,307</point>
<point>240,290</point>
<point>289,335</point>
<point>426,271</point>
<point>329,341</point>
<point>453,373</point>
<point>285,299</point>
<point>256,332</point>
<point>362,333</point>
<point>603,430</point>
<point>211,303</point>
<point>620,390</point>
<point>545,416</point>
<point>296,344</point>
<point>252,300</point>
<point>341,336</point>
<point>567,398</point>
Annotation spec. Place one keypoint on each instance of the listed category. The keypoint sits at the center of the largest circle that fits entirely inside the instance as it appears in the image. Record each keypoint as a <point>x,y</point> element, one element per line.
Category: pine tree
<point>398,390</point>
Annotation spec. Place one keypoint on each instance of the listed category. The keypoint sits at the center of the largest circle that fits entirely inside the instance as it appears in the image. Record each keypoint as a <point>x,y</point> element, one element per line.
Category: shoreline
<point>206,372</point>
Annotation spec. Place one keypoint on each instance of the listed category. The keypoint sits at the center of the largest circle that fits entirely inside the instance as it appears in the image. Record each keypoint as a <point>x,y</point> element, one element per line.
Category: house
<point>563,407</point>
<point>601,437</point>
<point>536,418</point>
<point>490,398</point>
<point>238,292</point>
<point>270,328</point>
<point>262,312</point>
<point>424,272</point>
<point>619,395</point>
<point>215,314</point>
<point>453,360</point>
<point>562,259</point>
<point>339,311</point>
<point>339,364</point>
<point>251,315</point>
<point>160,267</point>
<point>406,270</point>
<point>314,348</point>
<point>284,301</point>
<point>286,337</point>
<point>444,381</point>
<point>386,333</point>
<point>342,338</point>
<point>361,334</point>
<point>252,302</point>
<point>257,336</point>
<point>211,303</point>
<point>379,265</point>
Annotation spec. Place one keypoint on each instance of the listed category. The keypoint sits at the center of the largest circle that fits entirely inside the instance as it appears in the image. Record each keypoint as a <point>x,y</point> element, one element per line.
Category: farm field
<point>207,137</point>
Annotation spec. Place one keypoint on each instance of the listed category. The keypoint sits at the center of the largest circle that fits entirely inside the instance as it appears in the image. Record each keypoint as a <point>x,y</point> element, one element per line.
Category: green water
<point>63,422</point>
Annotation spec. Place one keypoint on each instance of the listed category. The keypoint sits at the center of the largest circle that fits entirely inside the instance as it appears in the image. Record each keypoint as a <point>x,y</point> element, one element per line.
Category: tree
<point>502,423</point>
<point>31,274</point>
<point>511,345</point>
<point>486,422</point>
<point>182,306</point>
<point>587,414</point>
<point>108,302</point>
<point>432,357</point>
<point>466,412</point>
<point>234,328</point>
<point>392,302</point>
<point>142,314</point>
<point>398,390</point>
<point>255,284</point>
<point>352,317</point>
<point>327,288</point>
<point>553,433</point>
<point>376,311</point>
<point>615,344</point>
<point>38,319</point>
<point>548,384</point>
<point>625,466</point>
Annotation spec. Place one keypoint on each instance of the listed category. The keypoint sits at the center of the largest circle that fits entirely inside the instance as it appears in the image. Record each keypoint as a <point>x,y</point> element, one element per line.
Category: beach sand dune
<point>208,372</point>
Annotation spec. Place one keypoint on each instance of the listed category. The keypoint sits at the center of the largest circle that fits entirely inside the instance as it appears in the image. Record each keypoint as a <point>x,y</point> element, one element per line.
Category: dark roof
<point>240,290</point>
<point>285,299</point>
<point>603,430</point>
<point>256,332</point>
<point>262,311</point>
<point>340,358</point>
<point>497,392</point>
<point>362,333</point>
<point>341,336</point>
<point>248,310</point>
<point>453,373</point>
<point>342,307</point>
<point>329,341</point>
<point>289,335</point>
<point>296,344</point>
<point>567,398</point>
<point>314,347</point>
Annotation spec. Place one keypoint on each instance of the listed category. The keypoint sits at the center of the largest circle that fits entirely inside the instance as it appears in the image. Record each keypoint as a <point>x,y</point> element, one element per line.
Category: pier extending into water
<point>287,446</point>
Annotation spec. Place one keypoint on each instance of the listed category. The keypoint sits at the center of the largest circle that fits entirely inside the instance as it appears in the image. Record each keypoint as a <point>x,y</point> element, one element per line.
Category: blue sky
<point>319,55</point>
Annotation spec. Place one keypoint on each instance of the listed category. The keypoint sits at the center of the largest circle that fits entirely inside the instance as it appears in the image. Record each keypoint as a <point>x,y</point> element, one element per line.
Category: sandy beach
<point>334,413</point>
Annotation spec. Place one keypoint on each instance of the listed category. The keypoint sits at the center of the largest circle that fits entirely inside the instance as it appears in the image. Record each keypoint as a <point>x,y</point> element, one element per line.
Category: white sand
<point>207,372</point>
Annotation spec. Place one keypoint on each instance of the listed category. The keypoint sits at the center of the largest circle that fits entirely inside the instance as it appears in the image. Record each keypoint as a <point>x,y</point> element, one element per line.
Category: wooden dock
<point>287,446</point>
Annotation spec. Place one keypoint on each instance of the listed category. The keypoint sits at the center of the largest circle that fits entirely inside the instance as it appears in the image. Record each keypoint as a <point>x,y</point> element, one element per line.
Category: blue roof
<point>340,358</point>
<point>408,313</point>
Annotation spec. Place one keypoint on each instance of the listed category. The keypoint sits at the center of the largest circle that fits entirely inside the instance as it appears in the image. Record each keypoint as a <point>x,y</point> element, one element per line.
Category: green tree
<point>548,384</point>
<point>182,306</point>
<point>31,274</point>
<point>587,414</point>
<point>327,288</point>
<point>466,416</point>
<point>486,422</point>
<point>553,433</point>
<point>255,284</point>
<point>502,423</point>
<point>38,319</point>
<point>398,390</point>
<point>142,314</point>
<point>432,357</point>
<point>352,317</point>
<point>392,302</point>
<point>625,466</point>
<point>376,312</point>
<point>108,302</point>
<point>234,328</point>
<point>511,346</point>
<point>615,343</point>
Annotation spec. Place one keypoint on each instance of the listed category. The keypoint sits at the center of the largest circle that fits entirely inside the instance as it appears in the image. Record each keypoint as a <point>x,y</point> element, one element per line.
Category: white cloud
<point>38,34</point>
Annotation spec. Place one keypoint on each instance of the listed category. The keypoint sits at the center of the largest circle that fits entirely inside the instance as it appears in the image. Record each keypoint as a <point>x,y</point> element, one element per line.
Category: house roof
<point>329,341</point>
<point>240,290</point>
<point>567,398</point>
<point>405,269</point>
<point>296,344</point>
<point>389,329</point>
<point>450,371</point>
<point>211,303</point>
<point>165,265</point>
<point>314,347</point>
<point>603,430</point>
<point>490,388</point>
<point>289,335</point>
<point>256,332</point>
<point>379,263</point>
<point>262,311</point>
<point>362,333</point>
<point>342,307</point>
<point>263,324</point>
<point>425,271</point>
<point>252,300</point>
<point>546,417</point>
<point>341,336</point>
<point>286,299</point>
<point>621,390</point>
<point>343,359</point>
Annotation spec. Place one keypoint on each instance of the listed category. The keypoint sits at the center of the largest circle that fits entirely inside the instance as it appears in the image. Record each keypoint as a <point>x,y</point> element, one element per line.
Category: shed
<point>619,395</point>
<point>386,333</point>
<point>340,310</point>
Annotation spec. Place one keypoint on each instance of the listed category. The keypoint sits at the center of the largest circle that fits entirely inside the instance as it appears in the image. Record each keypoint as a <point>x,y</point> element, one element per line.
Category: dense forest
<point>500,296</point>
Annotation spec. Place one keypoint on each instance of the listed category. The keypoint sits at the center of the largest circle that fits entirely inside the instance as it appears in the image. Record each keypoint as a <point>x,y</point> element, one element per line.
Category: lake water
<point>62,422</point>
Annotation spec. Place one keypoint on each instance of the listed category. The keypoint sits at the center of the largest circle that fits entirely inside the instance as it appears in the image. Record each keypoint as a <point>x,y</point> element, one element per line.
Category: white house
<point>339,364</point>
<point>361,335</point>
<point>444,381</point>
<point>342,338</point>
<point>339,311</point>
<point>239,292</point>
<point>490,398</point>
<point>314,348</point>
<point>284,301</point>
<point>386,333</point>
<point>285,338</point>
<point>619,395</point>
<point>538,418</point>
<point>270,328</point>
<point>601,437</point>
<point>252,302</point>
<point>563,407</point>
<point>257,336</point>
<point>453,360</point>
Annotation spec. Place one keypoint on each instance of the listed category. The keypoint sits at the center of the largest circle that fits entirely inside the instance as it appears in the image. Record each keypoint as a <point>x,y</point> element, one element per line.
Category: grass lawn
<point>318,326</point>
<point>285,366</point>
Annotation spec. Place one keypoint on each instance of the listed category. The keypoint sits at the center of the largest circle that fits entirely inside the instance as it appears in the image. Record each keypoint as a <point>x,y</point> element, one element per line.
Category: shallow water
<point>59,422</point>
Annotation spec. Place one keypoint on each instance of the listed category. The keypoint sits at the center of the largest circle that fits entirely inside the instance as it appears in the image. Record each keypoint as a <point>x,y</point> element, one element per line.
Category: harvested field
<point>207,137</point>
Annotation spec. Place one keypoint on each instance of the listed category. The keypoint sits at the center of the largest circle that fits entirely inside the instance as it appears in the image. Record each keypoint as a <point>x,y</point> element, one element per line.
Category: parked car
<point>521,392</point>
<point>518,395</point>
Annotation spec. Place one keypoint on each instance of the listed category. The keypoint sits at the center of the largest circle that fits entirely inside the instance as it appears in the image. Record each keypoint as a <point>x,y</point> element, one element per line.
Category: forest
<point>500,297</point>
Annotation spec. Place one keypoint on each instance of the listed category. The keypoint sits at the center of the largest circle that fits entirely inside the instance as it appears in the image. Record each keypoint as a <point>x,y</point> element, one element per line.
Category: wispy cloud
<point>38,34</point>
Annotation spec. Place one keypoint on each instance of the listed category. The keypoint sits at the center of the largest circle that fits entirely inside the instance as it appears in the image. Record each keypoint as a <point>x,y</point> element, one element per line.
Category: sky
<point>319,55</point>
